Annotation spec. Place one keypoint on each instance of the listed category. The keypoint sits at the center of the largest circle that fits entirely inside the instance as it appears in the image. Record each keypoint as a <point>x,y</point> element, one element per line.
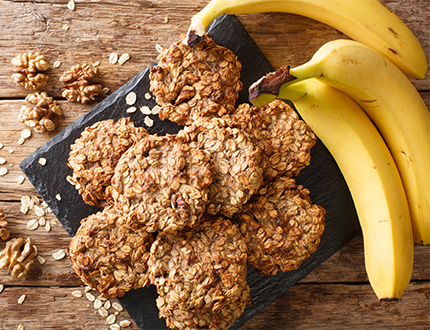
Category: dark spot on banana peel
<point>271,83</point>
<point>392,51</point>
<point>393,32</point>
<point>193,38</point>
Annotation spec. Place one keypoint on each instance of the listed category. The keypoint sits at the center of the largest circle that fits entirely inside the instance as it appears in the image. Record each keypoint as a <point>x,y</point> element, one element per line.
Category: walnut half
<point>43,115</point>
<point>18,256</point>
<point>4,232</point>
<point>77,84</point>
<point>27,70</point>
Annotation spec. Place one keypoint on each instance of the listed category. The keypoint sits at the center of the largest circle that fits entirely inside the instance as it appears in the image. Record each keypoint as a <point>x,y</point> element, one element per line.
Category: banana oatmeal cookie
<point>163,181</point>
<point>203,81</point>
<point>283,138</point>
<point>94,155</point>
<point>200,275</point>
<point>109,254</point>
<point>235,161</point>
<point>281,226</point>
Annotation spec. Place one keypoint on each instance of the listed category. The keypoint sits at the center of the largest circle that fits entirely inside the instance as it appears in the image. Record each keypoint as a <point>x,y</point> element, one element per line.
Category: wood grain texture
<point>336,295</point>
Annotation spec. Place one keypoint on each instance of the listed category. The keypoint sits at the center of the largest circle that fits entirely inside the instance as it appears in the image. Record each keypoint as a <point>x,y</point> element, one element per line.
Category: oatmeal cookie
<point>235,161</point>
<point>203,81</point>
<point>164,181</point>
<point>94,155</point>
<point>200,275</point>
<point>281,226</point>
<point>283,138</point>
<point>110,255</point>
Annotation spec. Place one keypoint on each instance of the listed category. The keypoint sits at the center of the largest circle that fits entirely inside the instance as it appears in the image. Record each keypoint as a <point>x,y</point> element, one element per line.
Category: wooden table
<point>336,295</point>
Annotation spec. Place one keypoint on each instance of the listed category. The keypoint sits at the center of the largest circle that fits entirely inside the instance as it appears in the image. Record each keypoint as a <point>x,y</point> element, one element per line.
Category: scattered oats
<point>26,133</point>
<point>90,296</point>
<point>77,294</point>
<point>103,312</point>
<point>124,58</point>
<point>40,212</point>
<point>35,201</point>
<point>42,161</point>
<point>66,27</point>
<point>113,58</point>
<point>96,64</point>
<point>20,179</point>
<point>148,121</point>
<point>104,91</point>
<point>3,171</point>
<point>116,313</point>
<point>111,319</point>
<point>56,64</point>
<point>58,197</point>
<point>11,151</point>
<point>97,303</point>
<point>60,254</point>
<point>166,19</point>
<point>53,222</point>
<point>107,304</point>
<point>21,299</point>
<point>87,289</point>
<point>48,227</point>
<point>131,98</point>
<point>115,326</point>
<point>33,224</point>
<point>20,327</point>
<point>125,323</point>
<point>2,161</point>
<point>21,141</point>
<point>147,96</point>
<point>156,109</point>
<point>71,5</point>
<point>11,164</point>
<point>159,48</point>
<point>145,110</point>
<point>1,146</point>
<point>117,306</point>
<point>1,287</point>
<point>131,109</point>
<point>40,259</point>
<point>42,221</point>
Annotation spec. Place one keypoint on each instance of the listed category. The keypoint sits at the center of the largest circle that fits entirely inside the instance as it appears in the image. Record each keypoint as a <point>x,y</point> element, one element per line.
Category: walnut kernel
<point>4,232</point>
<point>18,256</point>
<point>27,70</point>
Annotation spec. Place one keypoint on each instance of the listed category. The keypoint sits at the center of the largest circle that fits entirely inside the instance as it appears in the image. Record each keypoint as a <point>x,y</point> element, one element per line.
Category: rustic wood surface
<point>334,296</point>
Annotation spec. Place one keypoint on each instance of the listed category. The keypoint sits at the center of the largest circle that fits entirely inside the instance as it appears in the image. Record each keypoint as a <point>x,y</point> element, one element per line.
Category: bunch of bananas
<point>387,166</point>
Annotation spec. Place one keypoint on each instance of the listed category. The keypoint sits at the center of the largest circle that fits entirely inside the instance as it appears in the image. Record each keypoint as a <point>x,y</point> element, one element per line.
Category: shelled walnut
<point>18,256</point>
<point>43,116</point>
<point>77,83</point>
<point>27,70</point>
<point>4,232</point>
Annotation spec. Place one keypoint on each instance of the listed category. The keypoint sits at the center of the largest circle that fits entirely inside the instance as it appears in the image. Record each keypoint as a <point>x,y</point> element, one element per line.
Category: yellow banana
<point>388,97</point>
<point>367,21</point>
<point>372,178</point>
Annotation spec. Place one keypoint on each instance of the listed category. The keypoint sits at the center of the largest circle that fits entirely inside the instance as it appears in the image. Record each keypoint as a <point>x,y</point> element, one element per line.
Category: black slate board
<point>322,178</point>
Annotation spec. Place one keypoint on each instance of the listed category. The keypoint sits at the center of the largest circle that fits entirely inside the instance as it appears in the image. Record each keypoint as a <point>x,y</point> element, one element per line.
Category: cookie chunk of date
<point>95,154</point>
<point>163,181</point>
<point>203,81</point>
<point>283,138</point>
<point>109,254</point>
<point>281,226</point>
<point>200,275</point>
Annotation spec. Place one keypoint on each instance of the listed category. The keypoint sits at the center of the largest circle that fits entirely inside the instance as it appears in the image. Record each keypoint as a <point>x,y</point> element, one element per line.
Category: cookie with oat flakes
<point>202,81</point>
<point>235,163</point>
<point>96,152</point>
<point>110,255</point>
<point>200,275</point>
<point>281,226</point>
<point>283,138</point>
<point>163,181</point>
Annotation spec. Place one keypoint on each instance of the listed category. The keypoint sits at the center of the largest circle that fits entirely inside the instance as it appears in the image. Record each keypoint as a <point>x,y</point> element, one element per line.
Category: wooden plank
<point>340,306</point>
